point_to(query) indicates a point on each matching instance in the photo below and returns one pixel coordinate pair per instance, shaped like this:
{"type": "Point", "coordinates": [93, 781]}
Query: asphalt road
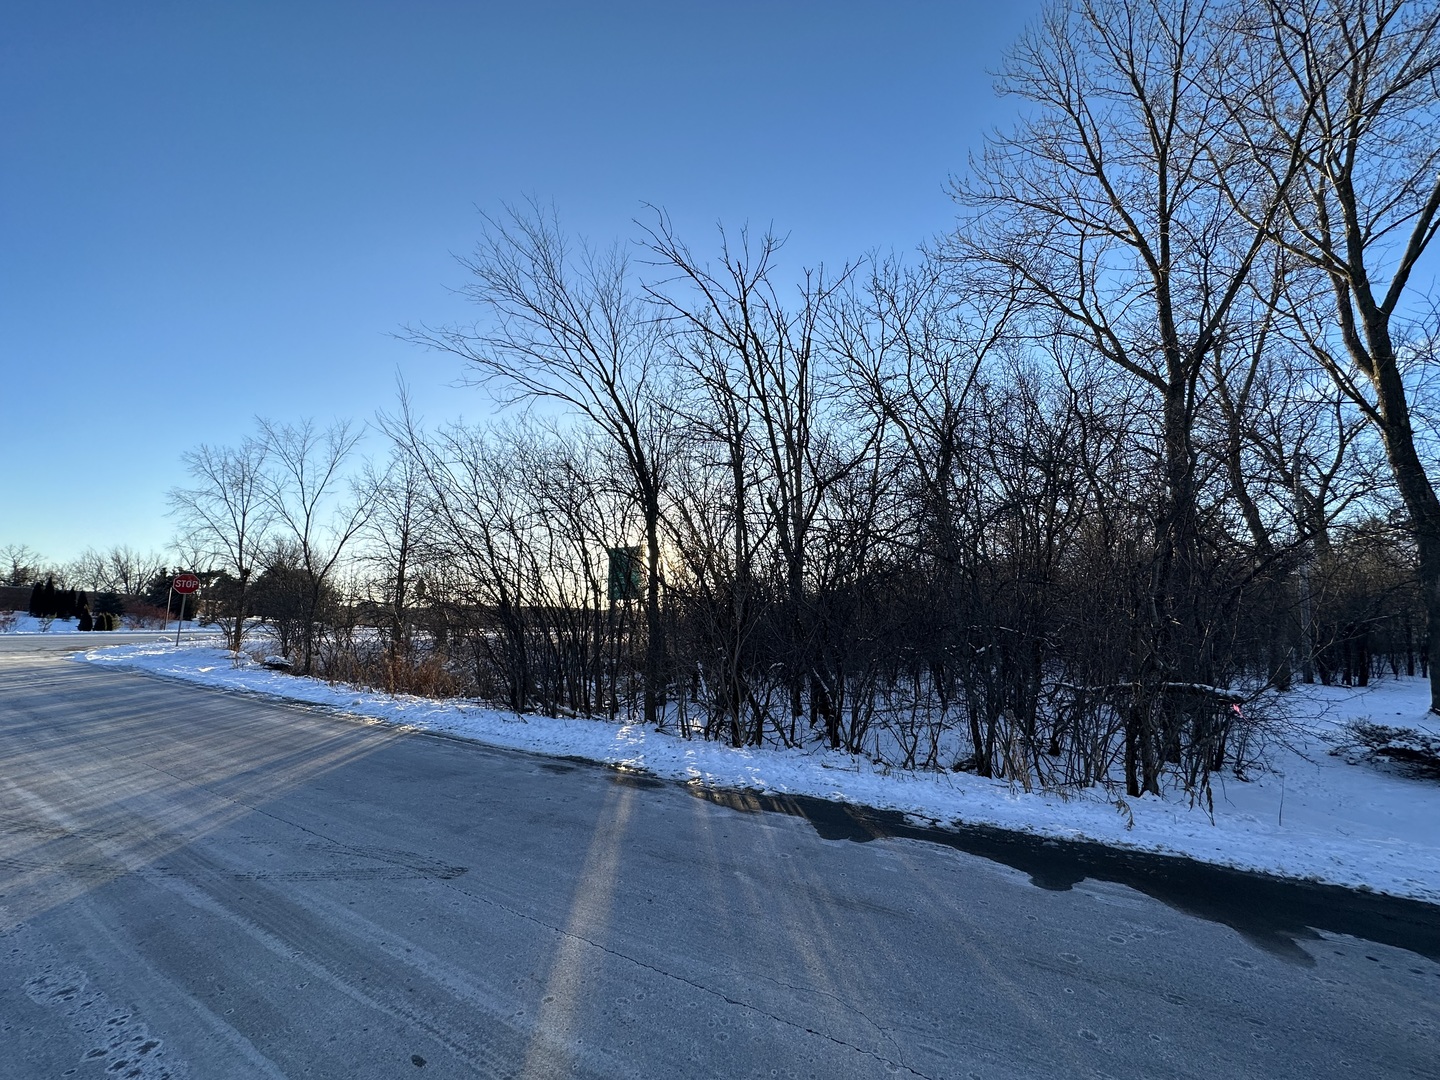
{"type": "Point", "coordinates": [199, 884]}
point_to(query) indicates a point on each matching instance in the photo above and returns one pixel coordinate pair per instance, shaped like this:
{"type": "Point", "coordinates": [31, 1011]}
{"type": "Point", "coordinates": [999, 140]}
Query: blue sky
{"type": "Point", "coordinates": [211, 211]}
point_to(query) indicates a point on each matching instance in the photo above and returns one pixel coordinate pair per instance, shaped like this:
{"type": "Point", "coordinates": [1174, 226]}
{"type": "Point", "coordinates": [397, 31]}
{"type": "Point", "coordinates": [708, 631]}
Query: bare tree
{"type": "Point", "coordinates": [767, 356]}
{"type": "Point", "coordinates": [1109, 207]}
{"type": "Point", "coordinates": [566, 325]}
{"type": "Point", "coordinates": [478, 552]}
{"type": "Point", "coordinates": [21, 565]}
{"type": "Point", "coordinates": [304, 488]}
{"type": "Point", "coordinates": [394, 532]}
{"type": "Point", "coordinates": [225, 517]}
{"type": "Point", "coordinates": [1367, 75]}
{"type": "Point", "coordinates": [120, 569]}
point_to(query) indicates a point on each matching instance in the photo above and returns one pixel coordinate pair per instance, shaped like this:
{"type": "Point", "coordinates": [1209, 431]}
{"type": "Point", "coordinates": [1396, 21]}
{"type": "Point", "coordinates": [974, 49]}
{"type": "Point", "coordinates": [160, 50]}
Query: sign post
{"type": "Point", "coordinates": [184, 584]}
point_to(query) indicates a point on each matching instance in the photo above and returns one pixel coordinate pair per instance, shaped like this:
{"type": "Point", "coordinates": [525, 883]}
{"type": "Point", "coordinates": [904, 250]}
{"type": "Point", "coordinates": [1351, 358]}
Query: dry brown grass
{"type": "Point", "coordinates": [426, 676]}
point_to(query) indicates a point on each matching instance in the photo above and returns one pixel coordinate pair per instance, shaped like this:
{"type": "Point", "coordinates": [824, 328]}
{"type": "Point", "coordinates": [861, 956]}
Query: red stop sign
{"type": "Point", "coordinates": [185, 583]}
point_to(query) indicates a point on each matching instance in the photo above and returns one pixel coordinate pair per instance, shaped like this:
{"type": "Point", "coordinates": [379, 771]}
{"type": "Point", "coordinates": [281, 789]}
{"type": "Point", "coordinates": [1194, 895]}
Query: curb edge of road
{"type": "Point", "coordinates": [881, 822]}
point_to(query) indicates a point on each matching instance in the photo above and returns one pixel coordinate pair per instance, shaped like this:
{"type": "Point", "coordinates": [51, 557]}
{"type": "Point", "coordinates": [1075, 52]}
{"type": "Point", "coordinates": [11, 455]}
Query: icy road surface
{"type": "Point", "coordinates": [200, 883]}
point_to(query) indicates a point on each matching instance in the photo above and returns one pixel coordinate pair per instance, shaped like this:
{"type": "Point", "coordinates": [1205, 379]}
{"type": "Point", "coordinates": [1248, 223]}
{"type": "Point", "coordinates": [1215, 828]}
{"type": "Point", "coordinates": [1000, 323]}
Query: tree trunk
{"type": "Point", "coordinates": [1424, 509]}
{"type": "Point", "coordinates": [654, 631]}
{"type": "Point", "coordinates": [1378, 360]}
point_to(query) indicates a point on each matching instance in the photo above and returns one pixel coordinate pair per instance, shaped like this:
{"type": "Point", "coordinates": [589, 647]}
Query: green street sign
{"type": "Point", "coordinates": [627, 573]}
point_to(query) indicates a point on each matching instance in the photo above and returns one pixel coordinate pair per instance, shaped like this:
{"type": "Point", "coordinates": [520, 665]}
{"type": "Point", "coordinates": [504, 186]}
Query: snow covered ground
{"type": "Point", "coordinates": [30, 624]}
{"type": "Point", "coordinates": [1313, 815]}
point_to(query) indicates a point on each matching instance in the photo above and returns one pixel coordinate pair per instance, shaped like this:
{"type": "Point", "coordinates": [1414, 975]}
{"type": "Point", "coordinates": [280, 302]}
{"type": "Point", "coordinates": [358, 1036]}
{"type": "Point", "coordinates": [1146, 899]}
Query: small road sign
{"type": "Point", "coordinates": [185, 583]}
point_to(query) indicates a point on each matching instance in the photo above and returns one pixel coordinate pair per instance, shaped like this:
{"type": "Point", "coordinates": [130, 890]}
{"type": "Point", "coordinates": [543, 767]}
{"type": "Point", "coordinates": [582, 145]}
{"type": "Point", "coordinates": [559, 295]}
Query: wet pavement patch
{"type": "Point", "coordinates": [1275, 914]}
{"type": "Point", "coordinates": [636, 779]}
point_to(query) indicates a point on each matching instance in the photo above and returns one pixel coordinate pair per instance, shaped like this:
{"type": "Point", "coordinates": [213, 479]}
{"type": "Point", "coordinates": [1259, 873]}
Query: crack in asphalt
{"type": "Point", "coordinates": [721, 995]}
{"type": "Point", "coordinates": [848, 1005]}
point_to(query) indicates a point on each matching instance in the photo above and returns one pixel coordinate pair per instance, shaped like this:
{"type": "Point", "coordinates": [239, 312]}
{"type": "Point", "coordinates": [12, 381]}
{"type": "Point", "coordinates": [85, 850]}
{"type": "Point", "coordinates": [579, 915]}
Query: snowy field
{"type": "Point", "coordinates": [17, 622]}
{"type": "Point", "coordinates": [1314, 815]}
